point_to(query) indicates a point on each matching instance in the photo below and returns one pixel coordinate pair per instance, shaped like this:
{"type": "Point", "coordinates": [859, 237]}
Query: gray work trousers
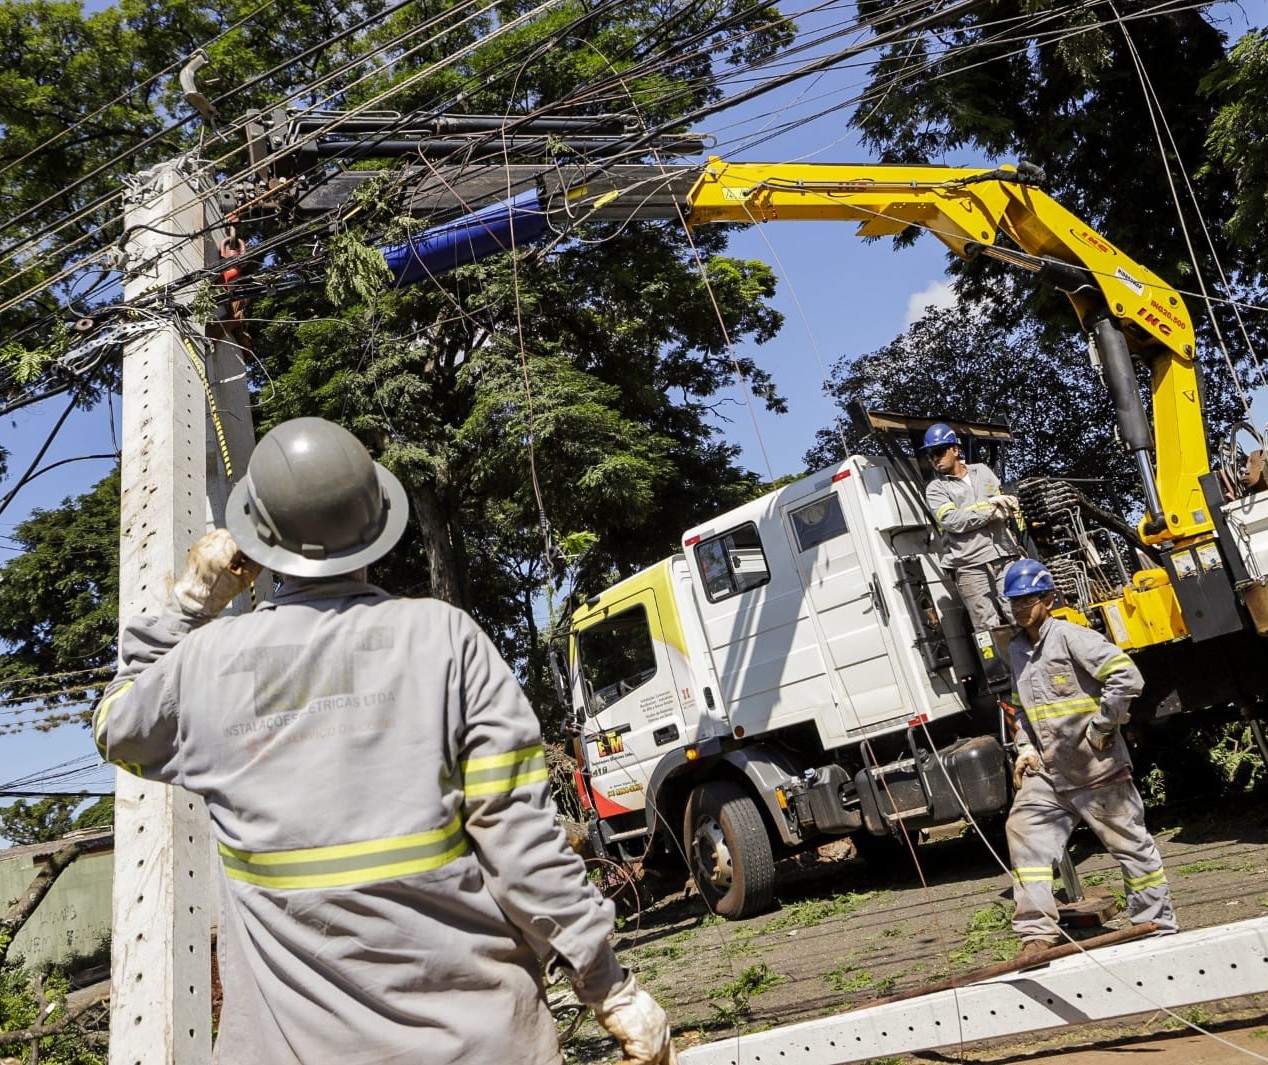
{"type": "Point", "coordinates": [982, 589]}
{"type": "Point", "coordinates": [1039, 827]}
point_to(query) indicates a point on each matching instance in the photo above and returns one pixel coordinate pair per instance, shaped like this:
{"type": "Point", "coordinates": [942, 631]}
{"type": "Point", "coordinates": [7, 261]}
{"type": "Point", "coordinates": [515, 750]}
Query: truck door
{"type": "Point", "coordinates": [848, 605]}
{"type": "Point", "coordinates": [768, 658]}
{"type": "Point", "coordinates": [633, 695]}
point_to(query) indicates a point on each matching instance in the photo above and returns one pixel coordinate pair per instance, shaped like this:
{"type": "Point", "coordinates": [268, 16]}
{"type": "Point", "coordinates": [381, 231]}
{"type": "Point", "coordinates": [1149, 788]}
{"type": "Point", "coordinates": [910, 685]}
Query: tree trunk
{"type": "Point", "coordinates": [444, 556]}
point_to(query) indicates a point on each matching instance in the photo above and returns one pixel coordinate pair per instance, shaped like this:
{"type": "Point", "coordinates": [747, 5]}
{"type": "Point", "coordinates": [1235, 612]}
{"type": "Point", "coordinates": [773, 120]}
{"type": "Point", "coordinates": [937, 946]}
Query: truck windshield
{"type": "Point", "coordinates": [617, 656]}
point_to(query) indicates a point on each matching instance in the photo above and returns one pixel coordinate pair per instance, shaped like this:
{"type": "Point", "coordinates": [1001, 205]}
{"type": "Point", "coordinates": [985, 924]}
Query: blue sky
{"type": "Point", "coordinates": [839, 296]}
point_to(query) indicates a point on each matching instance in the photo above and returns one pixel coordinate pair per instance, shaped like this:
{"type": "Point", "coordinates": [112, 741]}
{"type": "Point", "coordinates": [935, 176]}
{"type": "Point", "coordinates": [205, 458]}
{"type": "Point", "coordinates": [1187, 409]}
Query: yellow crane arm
{"type": "Point", "coordinates": [1127, 310]}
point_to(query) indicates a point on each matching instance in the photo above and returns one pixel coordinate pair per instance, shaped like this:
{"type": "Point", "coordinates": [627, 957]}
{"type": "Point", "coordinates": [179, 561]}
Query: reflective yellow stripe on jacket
{"type": "Point", "coordinates": [100, 725]}
{"type": "Point", "coordinates": [347, 864]}
{"type": "Point", "coordinates": [1114, 665]}
{"type": "Point", "coordinates": [946, 509]}
{"type": "Point", "coordinates": [498, 774]}
{"type": "Point", "coordinates": [1033, 874]}
{"type": "Point", "coordinates": [1064, 708]}
{"type": "Point", "coordinates": [103, 710]}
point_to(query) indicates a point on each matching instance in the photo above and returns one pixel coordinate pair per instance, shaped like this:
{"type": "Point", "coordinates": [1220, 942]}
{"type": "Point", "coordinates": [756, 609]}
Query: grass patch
{"type": "Point", "coordinates": [739, 948]}
{"type": "Point", "coordinates": [1100, 876]}
{"type": "Point", "coordinates": [986, 931]}
{"type": "Point", "coordinates": [850, 980]}
{"type": "Point", "coordinates": [810, 912]}
{"type": "Point", "coordinates": [1204, 865]}
{"type": "Point", "coordinates": [1194, 1015]}
{"type": "Point", "coordinates": [731, 1001]}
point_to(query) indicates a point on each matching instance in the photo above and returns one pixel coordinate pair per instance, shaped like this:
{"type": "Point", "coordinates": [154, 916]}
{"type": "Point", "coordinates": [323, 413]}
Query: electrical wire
{"type": "Point", "coordinates": [30, 470]}
{"type": "Point", "coordinates": [394, 89]}
{"type": "Point", "coordinates": [43, 235]}
{"type": "Point", "coordinates": [1161, 127]}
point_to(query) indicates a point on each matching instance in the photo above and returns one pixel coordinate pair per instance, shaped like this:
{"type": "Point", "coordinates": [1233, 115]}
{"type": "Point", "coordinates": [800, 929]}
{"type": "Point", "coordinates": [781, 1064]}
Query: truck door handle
{"type": "Point", "coordinates": [878, 598]}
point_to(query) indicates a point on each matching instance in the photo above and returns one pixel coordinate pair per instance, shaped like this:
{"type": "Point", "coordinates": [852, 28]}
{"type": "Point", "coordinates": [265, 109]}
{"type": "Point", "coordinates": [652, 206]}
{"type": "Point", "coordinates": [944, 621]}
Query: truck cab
{"type": "Point", "coordinates": [801, 670]}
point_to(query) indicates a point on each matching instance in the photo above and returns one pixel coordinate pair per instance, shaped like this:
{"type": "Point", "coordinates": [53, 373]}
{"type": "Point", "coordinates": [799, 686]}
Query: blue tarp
{"type": "Point", "coordinates": [499, 227]}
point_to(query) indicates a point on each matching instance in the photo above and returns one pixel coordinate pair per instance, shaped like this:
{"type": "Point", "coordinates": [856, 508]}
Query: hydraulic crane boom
{"type": "Point", "coordinates": [1125, 308]}
{"type": "Point", "coordinates": [1205, 583]}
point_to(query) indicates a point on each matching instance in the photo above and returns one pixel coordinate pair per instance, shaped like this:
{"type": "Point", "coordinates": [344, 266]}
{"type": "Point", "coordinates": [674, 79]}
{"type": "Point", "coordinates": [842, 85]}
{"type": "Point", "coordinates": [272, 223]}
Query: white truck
{"type": "Point", "coordinates": [803, 669]}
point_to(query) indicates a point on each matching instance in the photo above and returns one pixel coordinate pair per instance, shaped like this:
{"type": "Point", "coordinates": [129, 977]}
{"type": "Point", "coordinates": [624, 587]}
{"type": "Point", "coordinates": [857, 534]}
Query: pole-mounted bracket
{"type": "Point", "coordinates": [193, 97]}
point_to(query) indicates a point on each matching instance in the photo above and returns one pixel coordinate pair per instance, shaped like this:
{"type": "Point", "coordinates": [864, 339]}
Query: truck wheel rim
{"type": "Point", "coordinates": [712, 855]}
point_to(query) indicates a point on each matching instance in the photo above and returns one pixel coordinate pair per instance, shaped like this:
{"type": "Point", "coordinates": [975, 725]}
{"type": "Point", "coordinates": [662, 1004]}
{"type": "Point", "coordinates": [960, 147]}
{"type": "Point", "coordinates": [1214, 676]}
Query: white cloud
{"type": "Point", "coordinates": [936, 294]}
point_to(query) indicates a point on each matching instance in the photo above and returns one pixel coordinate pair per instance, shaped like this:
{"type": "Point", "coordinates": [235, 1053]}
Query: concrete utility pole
{"type": "Point", "coordinates": [171, 471]}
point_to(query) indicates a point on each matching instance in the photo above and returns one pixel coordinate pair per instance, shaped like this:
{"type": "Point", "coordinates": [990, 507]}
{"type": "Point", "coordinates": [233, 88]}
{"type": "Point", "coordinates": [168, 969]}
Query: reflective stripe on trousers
{"type": "Point", "coordinates": [1039, 828]}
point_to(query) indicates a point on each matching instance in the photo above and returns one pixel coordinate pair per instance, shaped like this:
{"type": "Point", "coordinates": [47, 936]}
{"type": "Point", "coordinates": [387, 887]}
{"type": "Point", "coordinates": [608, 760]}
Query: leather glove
{"type": "Point", "coordinates": [1028, 761]}
{"type": "Point", "coordinates": [638, 1023]}
{"type": "Point", "coordinates": [1100, 738]}
{"type": "Point", "coordinates": [215, 571]}
{"type": "Point", "coordinates": [1007, 506]}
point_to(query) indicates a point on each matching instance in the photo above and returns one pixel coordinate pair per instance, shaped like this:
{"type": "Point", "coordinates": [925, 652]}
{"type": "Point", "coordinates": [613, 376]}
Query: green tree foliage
{"type": "Point", "coordinates": [25, 998]}
{"type": "Point", "coordinates": [98, 815]}
{"type": "Point", "coordinates": [971, 367]}
{"type": "Point", "coordinates": [1236, 143]}
{"type": "Point", "coordinates": [1071, 91]}
{"type": "Point", "coordinates": [53, 817]}
{"type": "Point", "coordinates": [37, 822]}
{"type": "Point", "coordinates": [573, 389]}
{"type": "Point", "coordinates": [59, 605]}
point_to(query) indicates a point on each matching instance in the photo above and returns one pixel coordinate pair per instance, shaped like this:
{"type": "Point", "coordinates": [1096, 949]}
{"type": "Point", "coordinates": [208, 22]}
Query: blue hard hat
{"type": "Point", "coordinates": [1027, 577]}
{"type": "Point", "coordinates": [939, 434]}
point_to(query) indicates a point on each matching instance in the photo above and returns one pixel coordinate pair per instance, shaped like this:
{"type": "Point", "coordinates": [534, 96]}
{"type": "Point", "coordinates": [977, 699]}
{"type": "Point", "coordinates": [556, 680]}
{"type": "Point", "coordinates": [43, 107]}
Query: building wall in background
{"type": "Point", "coordinates": [73, 920]}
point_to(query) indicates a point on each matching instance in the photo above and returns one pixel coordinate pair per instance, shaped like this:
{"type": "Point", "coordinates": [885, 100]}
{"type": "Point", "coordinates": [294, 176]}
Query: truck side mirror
{"type": "Point", "coordinates": [560, 674]}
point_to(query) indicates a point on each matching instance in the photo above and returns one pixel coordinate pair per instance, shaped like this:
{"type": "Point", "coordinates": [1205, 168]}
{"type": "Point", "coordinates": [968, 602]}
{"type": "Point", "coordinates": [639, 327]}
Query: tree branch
{"type": "Point", "coordinates": [20, 912]}
{"type": "Point", "coordinates": [39, 1031]}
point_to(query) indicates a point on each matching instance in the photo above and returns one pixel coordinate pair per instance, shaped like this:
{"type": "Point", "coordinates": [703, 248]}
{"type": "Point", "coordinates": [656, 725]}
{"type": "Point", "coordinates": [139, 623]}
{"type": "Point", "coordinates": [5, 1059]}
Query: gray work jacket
{"type": "Point", "coordinates": [973, 533]}
{"type": "Point", "coordinates": [392, 866]}
{"type": "Point", "coordinates": [1069, 676]}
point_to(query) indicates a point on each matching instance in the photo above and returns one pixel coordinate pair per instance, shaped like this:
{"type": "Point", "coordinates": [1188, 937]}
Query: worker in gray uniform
{"type": "Point", "coordinates": [392, 866]}
{"type": "Point", "coordinates": [1072, 762]}
{"type": "Point", "coordinates": [975, 520]}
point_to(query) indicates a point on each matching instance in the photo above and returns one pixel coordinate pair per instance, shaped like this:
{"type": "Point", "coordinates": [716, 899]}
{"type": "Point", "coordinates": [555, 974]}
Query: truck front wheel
{"type": "Point", "coordinates": [728, 850]}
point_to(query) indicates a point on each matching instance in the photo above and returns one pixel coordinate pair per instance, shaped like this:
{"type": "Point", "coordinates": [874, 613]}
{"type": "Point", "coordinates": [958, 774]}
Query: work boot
{"type": "Point", "coordinates": [1033, 948]}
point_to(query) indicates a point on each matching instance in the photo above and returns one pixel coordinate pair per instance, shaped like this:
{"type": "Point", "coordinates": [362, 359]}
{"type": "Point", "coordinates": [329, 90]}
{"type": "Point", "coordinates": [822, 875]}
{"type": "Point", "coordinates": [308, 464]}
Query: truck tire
{"type": "Point", "coordinates": [729, 850]}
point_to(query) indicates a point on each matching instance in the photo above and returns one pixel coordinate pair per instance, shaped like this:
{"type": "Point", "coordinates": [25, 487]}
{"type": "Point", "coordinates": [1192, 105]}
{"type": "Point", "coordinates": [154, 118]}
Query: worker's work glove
{"type": "Point", "coordinates": [215, 571]}
{"type": "Point", "coordinates": [1028, 761]}
{"type": "Point", "coordinates": [1100, 738]}
{"type": "Point", "coordinates": [1006, 506]}
{"type": "Point", "coordinates": [637, 1022]}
